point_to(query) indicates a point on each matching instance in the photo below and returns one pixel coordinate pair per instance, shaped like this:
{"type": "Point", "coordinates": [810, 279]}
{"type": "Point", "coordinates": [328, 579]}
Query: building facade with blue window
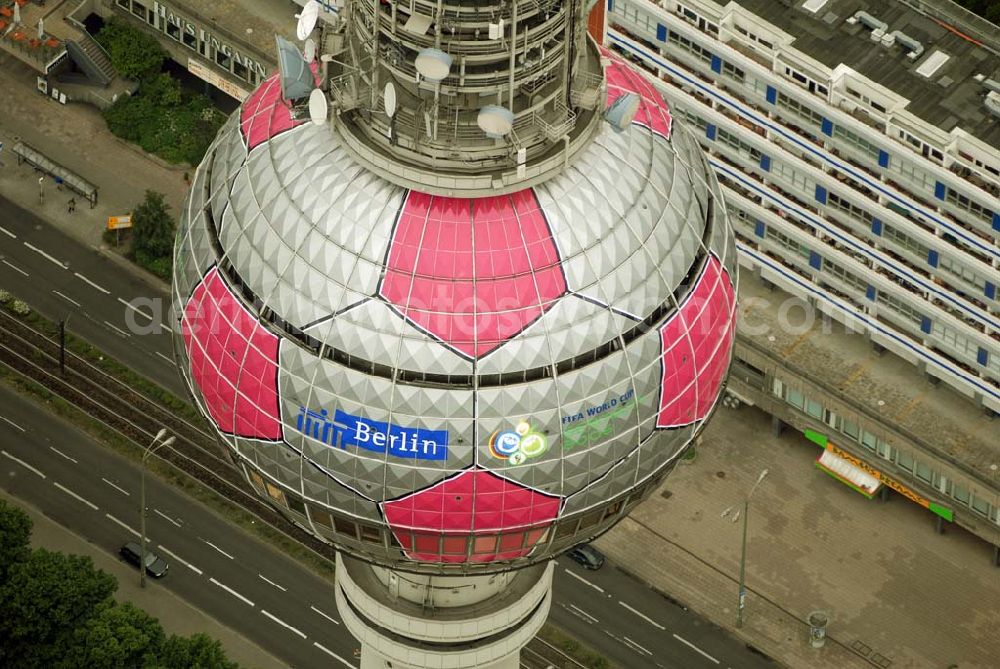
{"type": "Point", "coordinates": [882, 210]}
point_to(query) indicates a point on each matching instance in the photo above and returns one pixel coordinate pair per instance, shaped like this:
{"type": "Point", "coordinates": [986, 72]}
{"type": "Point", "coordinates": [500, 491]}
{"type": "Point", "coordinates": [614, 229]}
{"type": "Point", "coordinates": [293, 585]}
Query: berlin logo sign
{"type": "Point", "coordinates": [346, 430]}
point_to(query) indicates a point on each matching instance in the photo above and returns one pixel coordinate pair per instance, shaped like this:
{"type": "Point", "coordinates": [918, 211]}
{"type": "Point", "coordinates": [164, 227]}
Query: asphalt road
{"type": "Point", "coordinates": [215, 566]}
{"type": "Point", "coordinates": [102, 302]}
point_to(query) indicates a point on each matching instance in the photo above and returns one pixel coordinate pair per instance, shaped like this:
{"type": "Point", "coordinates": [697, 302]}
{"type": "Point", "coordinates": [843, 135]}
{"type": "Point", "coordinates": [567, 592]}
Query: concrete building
{"type": "Point", "coordinates": [456, 293]}
{"type": "Point", "coordinates": [857, 148]}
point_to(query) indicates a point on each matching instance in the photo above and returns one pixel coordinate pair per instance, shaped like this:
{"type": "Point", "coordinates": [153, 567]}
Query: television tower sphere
{"type": "Point", "coordinates": [460, 338]}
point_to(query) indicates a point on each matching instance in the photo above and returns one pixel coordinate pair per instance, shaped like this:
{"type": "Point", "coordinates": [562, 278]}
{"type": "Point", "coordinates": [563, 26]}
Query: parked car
{"type": "Point", "coordinates": [155, 565]}
{"type": "Point", "coordinates": [587, 556]}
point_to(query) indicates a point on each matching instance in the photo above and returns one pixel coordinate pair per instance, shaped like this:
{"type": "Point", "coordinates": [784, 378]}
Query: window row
{"type": "Point", "coordinates": [917, 467]}
{"type": "Point", "coordinates": [963, 202]}
{"type": "Point", "coordinates": [563, 531]}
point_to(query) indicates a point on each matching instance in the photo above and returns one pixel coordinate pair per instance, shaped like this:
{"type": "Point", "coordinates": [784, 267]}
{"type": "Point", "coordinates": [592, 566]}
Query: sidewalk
{"type": "Point", "coordinates": [176, 615]}
{"type": "Point", "coordinates": [912, 598]}
{"type": "Point", "coordinates": [76, 137]}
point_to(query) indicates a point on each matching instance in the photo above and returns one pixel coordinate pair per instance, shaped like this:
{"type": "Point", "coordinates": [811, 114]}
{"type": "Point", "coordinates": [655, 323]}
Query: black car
{"type": "Point", "coordinates": [588, 556]}
{"type": "Point", "coordinates": [155, 565]}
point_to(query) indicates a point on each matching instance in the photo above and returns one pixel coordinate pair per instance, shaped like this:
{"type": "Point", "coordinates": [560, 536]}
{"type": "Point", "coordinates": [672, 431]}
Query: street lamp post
{"type": "Point", "coordinates": [741, 604]}
{"type": "Point", "coordinates": [153, 446]}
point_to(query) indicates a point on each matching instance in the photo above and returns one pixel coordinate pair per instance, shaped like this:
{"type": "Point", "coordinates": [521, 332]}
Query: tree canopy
{"type": "Point", "coordinates": [134, 53]}
{"type": "Point", "coordinates": [153, 234]}
{"type": "Point", "coordinates": [56, 612]}
{"type": "Point", "coordinates": [15, 534]}
{"type": "Point", "coordinates": [164, 119]}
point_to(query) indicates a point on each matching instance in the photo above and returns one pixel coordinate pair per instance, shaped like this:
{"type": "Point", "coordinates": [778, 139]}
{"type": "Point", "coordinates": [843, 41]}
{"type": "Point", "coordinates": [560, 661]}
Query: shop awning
{"type": "Point", "coordinates": [847, 473]}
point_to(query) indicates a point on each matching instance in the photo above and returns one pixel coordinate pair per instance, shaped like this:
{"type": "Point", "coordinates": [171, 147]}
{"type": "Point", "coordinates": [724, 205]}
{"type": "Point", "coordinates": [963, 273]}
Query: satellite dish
{"type": "Point", "coordinates": [318, 107]}
{"type": "Point", "coordinates": [307, 19]}
{"type": "Point", "coordinates": [309, 50]}
{"type": "Point", "coordinates": [389, 99]}
{"type": "Point", "coordinates": [495, 121]}
{"type": "Point", "coordinates": [433, 64]}
{"type": "Point", "coordinates": [297, 79]}
{"type": "Point", "coordinates": [622, 111]}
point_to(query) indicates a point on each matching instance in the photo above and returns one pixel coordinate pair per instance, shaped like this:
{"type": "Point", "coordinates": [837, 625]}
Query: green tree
{"type": "Point", "coordinates": [15, 534]}
{"type": "Point", "coordinates": [198, 651]}
{"type": "Point", "coordinates": [134, 53]}
{"type": "Point", "coordinates": [44, 599]}
{"type": "Point", "coordinates": [120, 635]}
{"type": "Point", "coordinates": [153, 234]}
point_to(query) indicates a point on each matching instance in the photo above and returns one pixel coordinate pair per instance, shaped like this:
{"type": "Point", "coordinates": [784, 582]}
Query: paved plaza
{"type": "Point", "coordinates": [892, 587]}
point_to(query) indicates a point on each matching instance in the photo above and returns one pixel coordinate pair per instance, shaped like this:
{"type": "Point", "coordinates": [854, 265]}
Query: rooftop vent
{"type": "Point", "coordinates": [932, 63]}
{"type": "Point", "coordinates": [993, 103]}
{"type": "Point", "coordinates": [870, 22]}
{"type": "Point", "coordinates": [813, 6]}
{"type": "Point", "coordinates": [916, 49]}
{"type": "Point", "coordinates": [992, 84]}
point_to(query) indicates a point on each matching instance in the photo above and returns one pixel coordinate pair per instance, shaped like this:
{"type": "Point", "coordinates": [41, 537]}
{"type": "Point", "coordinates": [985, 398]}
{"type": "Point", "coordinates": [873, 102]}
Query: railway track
{"type": "Point", "coordinates": [195, 452]}
{"type": "Point", "coordinates": [137, 418]}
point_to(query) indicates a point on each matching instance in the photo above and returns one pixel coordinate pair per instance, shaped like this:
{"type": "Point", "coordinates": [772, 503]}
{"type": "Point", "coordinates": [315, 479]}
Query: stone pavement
{"type": "Point", "coordinates": [175, 614]}
{"type": "Point", "coordinates": [76, 137]}
{"type": "Point", "coordinates": [890, 584]}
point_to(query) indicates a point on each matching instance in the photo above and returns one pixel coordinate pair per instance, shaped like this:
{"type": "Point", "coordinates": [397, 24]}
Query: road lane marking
{"type": "Point", "coordinates": [8, 232]}
{"type": "Point", "coordinates": [11, 423]}
{"type": "Point", "coordinates": [695, 648]}
{"type": "Point", "coordinates": [115, 520]}
{"type": "Point", "coordinates": [218, 549]}
{"type": "Point", "coordinates": [582, 579]}
{"type": "Point", "coordinates": [91, 283]}
{"type": "Point", "coordinates": [335, 622]}
{"type": "Point", "coordinates": [73, 494]}
{"type": "Point", "coordinates": [334, 655]}
{"type": "Point", "coordinates": [15, 267]}
{"type": "Point", "coordinates": [282, 623]}
{"type": "Point", "coordinates": [23, 463]}
{"type": "Point", "coordinates": [46, 255]}
{"type": "Point", "coordinates": [273, 583]}
{"type": "Point", "coordinates": [118, 488]}
{"type": "Point", "coordinates": [176, 557]}
{"type": "Point", "coordinates": [135, 309]}
{"type": "Point", "coordinates": [636, 646]}
{"type": "Point", "coordinates": [232, 592]}
{"type": "Point", "coordinates": [116, 329]}
{"type": "Point", "coordinates": [166, 517]}
{"type": "Point", "coordinates": [73, 460]}
{"type": "Point", "coordinates": [169, 361]}
{"type": "Point", "coordinates": [643, 616]}
{"type": "Point", "coordinates": [67, 298]}
{"type": "Point", "coordinates": [584, 614]}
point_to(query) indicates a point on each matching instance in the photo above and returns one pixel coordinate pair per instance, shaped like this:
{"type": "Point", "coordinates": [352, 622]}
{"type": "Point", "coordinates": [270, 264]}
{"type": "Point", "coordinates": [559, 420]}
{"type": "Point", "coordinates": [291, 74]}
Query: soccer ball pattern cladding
{"type": "Point", "coordinates": [438, 382]}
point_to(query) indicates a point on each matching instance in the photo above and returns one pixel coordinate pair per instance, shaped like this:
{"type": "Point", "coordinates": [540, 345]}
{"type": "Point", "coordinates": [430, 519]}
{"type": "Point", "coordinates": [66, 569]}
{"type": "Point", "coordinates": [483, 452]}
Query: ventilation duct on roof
{"type": "Point", "coordinates": [870, 22]}
{"type": "Point", "coordinates": [993, 103]}
{"type": "Point", "coordinates": [915, 47]}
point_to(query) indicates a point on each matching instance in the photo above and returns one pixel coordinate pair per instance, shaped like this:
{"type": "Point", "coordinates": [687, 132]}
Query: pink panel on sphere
{"type": "Point", "coordinates": [472, 272]}
{"type": "Point", "coordinates": [697, 342]}
{"type": "Point", "coordinates": [623, 78]}
{"type": "Point", "coordinates": [234, 361]}
{"type": "Point", "coordinates": [264, 114]}
{"type": "Point", "coordinates": [476, 516]}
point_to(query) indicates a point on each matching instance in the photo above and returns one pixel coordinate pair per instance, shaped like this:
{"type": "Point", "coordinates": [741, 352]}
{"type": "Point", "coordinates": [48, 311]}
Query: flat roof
{"type": "Point", "coordinates": [254, 22]}
{"type": "Point", "coordinates": [950, 97]}
{"type": "Point", "coordinates": [885, 385]}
